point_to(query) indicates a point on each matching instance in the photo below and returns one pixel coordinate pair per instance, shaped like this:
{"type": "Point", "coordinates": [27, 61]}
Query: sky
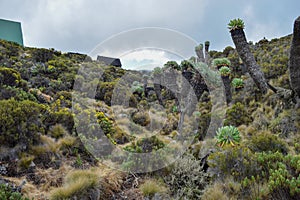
{"type": "Point", "coordinates": [82, 25]}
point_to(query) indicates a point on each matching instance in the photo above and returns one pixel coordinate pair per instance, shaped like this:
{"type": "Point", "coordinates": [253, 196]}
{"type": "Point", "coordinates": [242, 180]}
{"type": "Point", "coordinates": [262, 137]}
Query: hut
{"type": "Point", "coordinates": [109, 61]}
{"type": "Point", "coordinates": [11, 31]}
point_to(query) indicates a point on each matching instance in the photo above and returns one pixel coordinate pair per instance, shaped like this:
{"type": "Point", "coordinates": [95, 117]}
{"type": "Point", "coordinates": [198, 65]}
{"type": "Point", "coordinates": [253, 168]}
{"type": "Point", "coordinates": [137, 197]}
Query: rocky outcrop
{"type": "Point", "coordinates": [294, 63]}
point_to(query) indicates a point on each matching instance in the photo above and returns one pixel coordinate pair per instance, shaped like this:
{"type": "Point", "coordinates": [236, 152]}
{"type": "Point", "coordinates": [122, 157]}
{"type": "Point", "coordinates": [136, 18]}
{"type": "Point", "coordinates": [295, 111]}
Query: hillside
{"type": "Point", "coordinates": [67, 132]}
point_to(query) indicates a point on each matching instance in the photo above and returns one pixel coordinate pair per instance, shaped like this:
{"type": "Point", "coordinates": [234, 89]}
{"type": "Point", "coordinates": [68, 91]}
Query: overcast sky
{"type": "Point", "coordinates": [80, 25]}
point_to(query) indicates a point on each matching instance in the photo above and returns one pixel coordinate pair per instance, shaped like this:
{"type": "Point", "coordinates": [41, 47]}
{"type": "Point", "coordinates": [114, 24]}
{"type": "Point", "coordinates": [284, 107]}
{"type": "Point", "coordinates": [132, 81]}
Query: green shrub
{"type": "Point", "coordinates": [9, 76]}
{"type": "Point", "coordinates": [105, 123]}
{"type": "Point", "coordinates": [237, 162]}
{"type": "Point", "coordinates": [7, 92]}
{"type": "Point", "coordinates": [137, 87]}
{"type": "Point", "coordinates": [21, 122]}
{"type": "Point", "coordinates": [236, 24]}
{"type": "Point", "coordinates": [173, 65]}
{"type": "Point", "coordinates": [142, 118]}
{"type": "Point", "coordinates": [266, 142]}
{"type": "Point", "coordinates": [282, 173]}
{"type": "Point", "coordinates": [228, 135]}
{"type": "Point", "coordinates": [237, 115]}
{"type": "Point", "coordinates": [145, 145]}
{"type": "Point", "coordinates": [105, 91]}
{"type": "Point", "coordinates": [186, 178]}
{"type": "Point", "coordinates": [63, 116]}
{"type": "Point", "coordinates": [6, 193]}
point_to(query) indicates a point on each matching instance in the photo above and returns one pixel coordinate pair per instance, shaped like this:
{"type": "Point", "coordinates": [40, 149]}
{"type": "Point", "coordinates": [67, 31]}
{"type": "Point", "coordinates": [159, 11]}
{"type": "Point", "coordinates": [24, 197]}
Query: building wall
{"type": "Point", "coordinates": [11, 31]}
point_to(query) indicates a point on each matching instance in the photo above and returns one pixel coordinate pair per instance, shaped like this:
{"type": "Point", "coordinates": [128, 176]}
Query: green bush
{"type": "Point", "coordinates": [282, 173]}
{"type": "Point", "coordinates": [266, 142]}
{"type": "Point", "coordinates": [6, 193]}
{"type": "Point", "coordinates": [7, 92]}
{"type": "Point", "coordinates": [21, 121]}
{"type": "Point", "coordinates": [173, 65]}
{"type": "Point", "coordinates": [237, 115]}
{"type": "Point", "coordinates": [142, 118]}
{"type": "Point", "coordinates": [238, 162]}
{"type": "Point", "coordinates": [186, 178]}
{"type": "Point", "coordinates": [145, 145]}
{"type": "Point", "coordinates": [9, 76]}
{"type": "Point", "coordinates": [62, 116]}
{"type": "Point", "coordinates": [137, 88]}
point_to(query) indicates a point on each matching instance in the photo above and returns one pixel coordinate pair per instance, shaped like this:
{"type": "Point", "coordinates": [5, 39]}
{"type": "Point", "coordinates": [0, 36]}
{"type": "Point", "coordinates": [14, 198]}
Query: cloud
{"type": "Point", "coordinates": [147, 59]}
{"type": "Point", "coordinates": [80, 25]}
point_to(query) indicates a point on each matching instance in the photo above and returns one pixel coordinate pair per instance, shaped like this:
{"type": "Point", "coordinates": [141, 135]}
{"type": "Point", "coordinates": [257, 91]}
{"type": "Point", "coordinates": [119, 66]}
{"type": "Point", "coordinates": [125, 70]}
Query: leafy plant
{"type": "Point", "coordinates": [9, 76]}
{"type": "Point", "coordinates": [7, 193]}
{"type": "Point", "coordinates": [218, 62]}
{"type": "Point", "coordinates": [236, 24]}
{"type": "Point", "coordinates": [225, 71]}
{"type": "Point", "coordinates": [237, 83]}
{"type": "Point", "coordinates": [137, 87]}
{"type": "Point", "coordinates": [199, 47]}
{"type": "Point", "coordinates": [228, 135]}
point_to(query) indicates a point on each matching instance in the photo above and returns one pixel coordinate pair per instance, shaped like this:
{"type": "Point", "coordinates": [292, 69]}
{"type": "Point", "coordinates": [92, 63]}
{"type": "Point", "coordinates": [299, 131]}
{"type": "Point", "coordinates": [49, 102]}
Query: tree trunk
{"type": "Point", "coordinates": [243, 49]}
{"type": "Point", "coordinates": [226, 82]}
{"type": "Point", "coordinates": [294, 62]}
{"type": "Point", "coordinates": [145, 84]}
{"type": "Point", "coordinates": [157, 88]}
{"type": "Point", "coordinates": [199, 52]}
{"type": "Point", "coordinates": [206, 53]}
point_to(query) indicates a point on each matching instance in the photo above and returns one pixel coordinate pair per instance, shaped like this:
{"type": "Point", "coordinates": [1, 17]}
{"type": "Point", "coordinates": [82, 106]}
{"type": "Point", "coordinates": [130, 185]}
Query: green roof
{"type": "Point", "coordinates": [11, 31]}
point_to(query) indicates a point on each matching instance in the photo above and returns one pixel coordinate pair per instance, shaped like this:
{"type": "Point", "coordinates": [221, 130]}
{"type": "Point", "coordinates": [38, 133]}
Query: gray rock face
{"type": "Point", "coordinates": [294, 63]}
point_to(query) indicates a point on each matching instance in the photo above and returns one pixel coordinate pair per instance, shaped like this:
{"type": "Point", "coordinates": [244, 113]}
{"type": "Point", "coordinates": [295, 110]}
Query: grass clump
{"type": "Point", "coordinates": [76, 184]}
{"type": "Point", "coordinates": [151, 186]}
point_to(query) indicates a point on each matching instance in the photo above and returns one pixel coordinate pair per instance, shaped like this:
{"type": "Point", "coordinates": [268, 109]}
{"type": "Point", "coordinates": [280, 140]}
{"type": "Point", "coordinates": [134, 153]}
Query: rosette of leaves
{"type": "Point", "coordinates": [238, 83]}
{"type": "Point", "coordinates": [225, 71]}
{"type": "Point", "coordinates": [137, 87]}
{"type": "Point", "coordinates": [220, 62]}
{"type": "Point", "coordinates": [236, 24]}
{"type": "Point", "coordinates": [228, 135]}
